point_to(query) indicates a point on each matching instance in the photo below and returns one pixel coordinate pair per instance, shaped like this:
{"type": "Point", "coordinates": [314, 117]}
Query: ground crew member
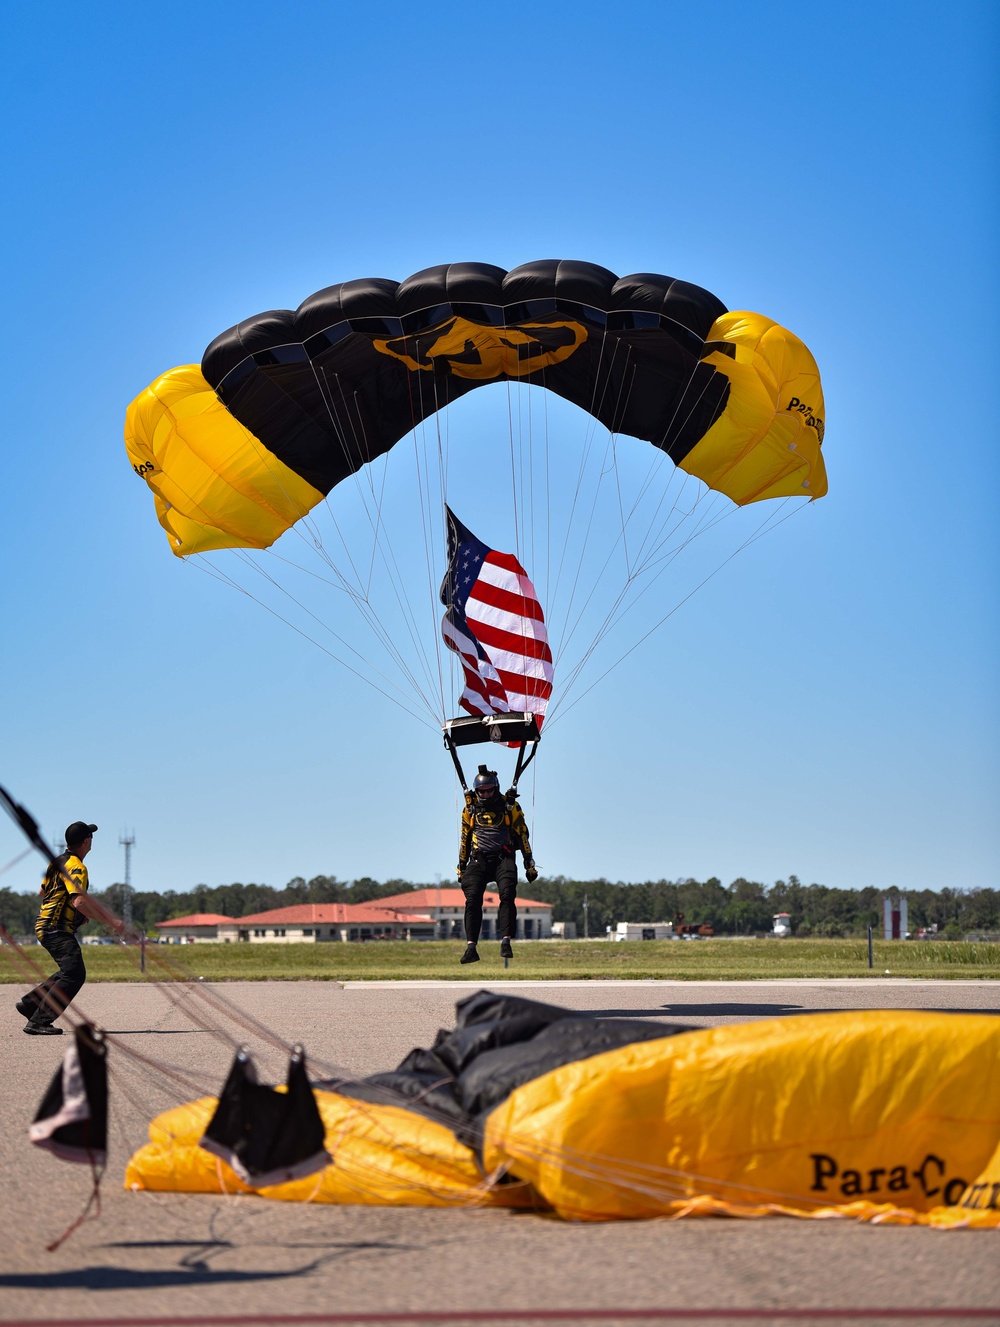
{"type": "Point", "coordinates": [64, 909]}
{"type": "Point", "coordinates": [493, 829]}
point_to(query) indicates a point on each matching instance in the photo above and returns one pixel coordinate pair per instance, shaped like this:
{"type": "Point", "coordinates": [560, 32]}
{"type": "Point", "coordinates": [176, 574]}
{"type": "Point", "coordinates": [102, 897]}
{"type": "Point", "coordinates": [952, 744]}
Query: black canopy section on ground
{"type": "Point", "coordinates": [499, 1043]}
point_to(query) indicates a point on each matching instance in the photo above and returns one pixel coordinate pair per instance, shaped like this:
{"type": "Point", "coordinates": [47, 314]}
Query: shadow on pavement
{"type": "Point", "coordinates": [705, 1011]}
{"type": "Point", "coordinates": [157, 1032]}
{"type": "Point", "coordinates": [128, 1278]}
{"type": "Point", "coordinates": [753, 1011]}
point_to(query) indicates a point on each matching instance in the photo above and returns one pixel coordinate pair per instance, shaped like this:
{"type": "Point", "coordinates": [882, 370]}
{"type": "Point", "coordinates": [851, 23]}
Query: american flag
{"type": "Point", "coordinates": [494, 624]}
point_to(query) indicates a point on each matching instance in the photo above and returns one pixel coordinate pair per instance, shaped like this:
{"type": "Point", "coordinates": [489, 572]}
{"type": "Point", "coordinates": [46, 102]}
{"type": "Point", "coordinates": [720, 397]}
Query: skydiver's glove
{"type": "Point", "coordinates": [459, 869]}
{"type": "Point", "coordinates": [510, 796]}
{"type": "Point", "coordinates": [530, 870]}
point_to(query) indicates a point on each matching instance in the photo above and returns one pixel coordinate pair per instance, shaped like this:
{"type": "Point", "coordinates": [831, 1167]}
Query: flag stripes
{"type": "Point", "coordinates": [495, 625]}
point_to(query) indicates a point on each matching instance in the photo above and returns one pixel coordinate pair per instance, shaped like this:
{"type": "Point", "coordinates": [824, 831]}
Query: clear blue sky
{"type": "Point", "coordinates": [827, 705]}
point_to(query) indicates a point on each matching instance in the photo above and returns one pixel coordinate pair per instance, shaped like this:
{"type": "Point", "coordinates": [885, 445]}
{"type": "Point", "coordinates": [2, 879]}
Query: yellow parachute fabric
{"type": "Point", "coordinates": [886, 1116]}
{"type": "Point", "coordinates": [767, 442]}
{"type": "Point", "coordinates": [384, 1156]}
{"type": "Point", "coordinates": [214, 484]}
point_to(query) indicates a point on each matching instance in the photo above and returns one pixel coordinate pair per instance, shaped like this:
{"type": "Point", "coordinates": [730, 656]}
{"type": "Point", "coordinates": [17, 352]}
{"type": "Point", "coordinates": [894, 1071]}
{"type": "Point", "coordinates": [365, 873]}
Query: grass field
{"type": "Point", "coordinates": [714, 960]}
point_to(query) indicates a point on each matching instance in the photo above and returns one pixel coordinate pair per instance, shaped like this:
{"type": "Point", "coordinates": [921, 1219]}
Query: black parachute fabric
{"type": "Point", "coordinates": [499, 1043]}
{"type": "Point", "coordinates": [328, 386]}
{"type": "Point", "coordinates": [266, 1136]}
{"type": "Point", "coordinates": [72, 1120]}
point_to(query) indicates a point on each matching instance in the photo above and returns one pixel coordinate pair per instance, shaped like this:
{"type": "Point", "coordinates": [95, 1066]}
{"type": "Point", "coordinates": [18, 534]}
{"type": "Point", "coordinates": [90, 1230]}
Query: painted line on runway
{"type": "Point", "coordinates": [604, 982]}
{"type": "Point", "coordinates": [581, 1316]}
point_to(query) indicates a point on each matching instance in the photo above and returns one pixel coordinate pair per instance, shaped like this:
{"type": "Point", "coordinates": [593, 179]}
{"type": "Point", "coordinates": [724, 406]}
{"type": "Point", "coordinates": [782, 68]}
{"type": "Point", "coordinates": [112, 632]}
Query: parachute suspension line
{"type": "Point", "coordinates": [548, 499]}
{"type": "Point", "coordinates": [766, 526]}
{"type": "Point", "coordinates": [530, 541]}
{"type": "Point", "coordinates": [620, 608]}
{"type": "Point", "coordinates": [426, 513]}
{"type": "Point", "coordinates": [380, 540]}
{"type": "Point", "coordinates": [566, 634]}
{"type": "Point", "coordinates": [432, 537]}
{"type": "Point", "coordinates": [513, 470]}
{"type": "Point", "coordinates": [19, 858]}
{"type": "Point", "coordinates": [444, 455]}
{"type": "Point", "coordinates": [360, 601]}
{"type": "Point", "coordinates": [217, 574]}
{"type": "Point", "coordinates": [636, 568]}
{"type": "Point", "coordinates": [590, 433]}
{"type": "Point", "coordinates": [381, 634]}
{"type": "Point", "coordinates": [387, 553]}
{"type": "Point", "coordinates": [621, 508]}
{"type": "Point", "coordinates": [709, 518]}
{"type": "Point", "coordinates": [659, 461]}
{"type": "Point", "coordinates": [226, 579]}
{"type": "Point", "coordinates": [281, 589]}
{"type": "Point", "coordinates": [380, 503]}
{"type": "Point", "coordinates": [430, 541]}
{"type": "Point", "coordinates": [522, 479]}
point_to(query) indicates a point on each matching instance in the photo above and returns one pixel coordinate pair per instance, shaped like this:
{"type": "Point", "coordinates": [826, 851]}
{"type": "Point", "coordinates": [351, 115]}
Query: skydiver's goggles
{"type": "Point", "coordinates": [486, 791]}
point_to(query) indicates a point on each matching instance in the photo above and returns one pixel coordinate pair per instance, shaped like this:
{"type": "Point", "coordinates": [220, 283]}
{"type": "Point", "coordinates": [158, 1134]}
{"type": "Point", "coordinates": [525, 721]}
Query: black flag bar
{"type": "Point", "coordinates": [513, 729]}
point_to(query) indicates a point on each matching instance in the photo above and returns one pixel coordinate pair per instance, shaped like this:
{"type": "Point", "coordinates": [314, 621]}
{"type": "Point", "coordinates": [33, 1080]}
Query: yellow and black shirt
{"type": "Point", "coordinates": [57, 913]}
{"type": "Point", "coordinates": [493, 827]}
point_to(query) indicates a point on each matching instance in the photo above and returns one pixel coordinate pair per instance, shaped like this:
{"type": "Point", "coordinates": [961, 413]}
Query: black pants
{"type": "Point", "coordinates": [64, 985]}
{"type": "Point", "coordinates": [481, 870]}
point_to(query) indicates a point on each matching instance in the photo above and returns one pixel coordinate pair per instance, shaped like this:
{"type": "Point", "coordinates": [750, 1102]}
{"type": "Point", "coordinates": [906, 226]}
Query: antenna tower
{"type": "Point", "coordinates": [127, 841]}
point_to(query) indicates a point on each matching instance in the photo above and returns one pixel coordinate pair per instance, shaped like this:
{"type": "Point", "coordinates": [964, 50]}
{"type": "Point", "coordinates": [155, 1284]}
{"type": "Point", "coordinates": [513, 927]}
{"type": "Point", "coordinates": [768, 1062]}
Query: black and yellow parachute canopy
{"type": "Point", "coordinates": [875, 1115]}
{"type": "Point", "coordinates": [288, 403]}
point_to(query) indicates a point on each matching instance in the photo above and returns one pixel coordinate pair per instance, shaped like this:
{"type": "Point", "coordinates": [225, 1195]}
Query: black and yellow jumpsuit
{"type": "Point", "coordinates": [491, 834]}
{"type": "Point", "coordinates": [56, 928]}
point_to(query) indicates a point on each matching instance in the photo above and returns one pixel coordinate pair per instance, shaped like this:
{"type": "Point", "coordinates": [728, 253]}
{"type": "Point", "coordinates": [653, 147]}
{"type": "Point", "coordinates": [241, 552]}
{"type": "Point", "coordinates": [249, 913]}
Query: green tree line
{"type": "Point", "coordinates": [747, 906]}
{"type": "Point", "coordinates": [740, 908]}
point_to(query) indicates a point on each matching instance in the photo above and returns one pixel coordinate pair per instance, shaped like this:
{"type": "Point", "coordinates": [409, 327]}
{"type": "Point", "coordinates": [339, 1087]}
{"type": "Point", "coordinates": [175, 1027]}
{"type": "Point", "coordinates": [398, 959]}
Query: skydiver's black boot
{"type": "Point", "coordinates": [506, 950]}
{"type": "Point", "coordinates": [471, 954]}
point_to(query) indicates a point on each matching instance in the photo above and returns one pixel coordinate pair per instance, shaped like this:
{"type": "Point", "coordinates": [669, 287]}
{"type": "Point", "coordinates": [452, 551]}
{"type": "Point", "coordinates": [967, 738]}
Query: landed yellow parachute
{"type": "Point", "coordinates": [878, 1116]}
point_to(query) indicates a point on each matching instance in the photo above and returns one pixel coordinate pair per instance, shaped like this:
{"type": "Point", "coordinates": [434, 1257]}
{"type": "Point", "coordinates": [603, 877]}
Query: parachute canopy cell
{"type": "Point", "coordinates": [288, 403]}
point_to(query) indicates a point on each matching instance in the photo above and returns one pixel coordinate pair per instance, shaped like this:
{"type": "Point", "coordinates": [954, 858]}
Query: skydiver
{"type": "Point", "coordinates": [493, 830]}
{"type": "Point", "coordinates": [65, 907]}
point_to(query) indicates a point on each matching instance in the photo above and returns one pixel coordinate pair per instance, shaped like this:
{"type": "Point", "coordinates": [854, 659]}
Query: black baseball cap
{"type": "Point", "coordinates": [77, 832]}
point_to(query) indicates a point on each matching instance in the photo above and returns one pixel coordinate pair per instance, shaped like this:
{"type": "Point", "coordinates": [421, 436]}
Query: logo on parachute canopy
{"type": "Point", "coordinates": [470, 350]}
{"type": "Point", "coordinates": [811, 419]}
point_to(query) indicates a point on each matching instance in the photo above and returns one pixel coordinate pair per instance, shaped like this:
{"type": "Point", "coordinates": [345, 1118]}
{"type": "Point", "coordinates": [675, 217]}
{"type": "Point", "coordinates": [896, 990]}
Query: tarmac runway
{"type": "Point", "coordinates": [202, 1259]}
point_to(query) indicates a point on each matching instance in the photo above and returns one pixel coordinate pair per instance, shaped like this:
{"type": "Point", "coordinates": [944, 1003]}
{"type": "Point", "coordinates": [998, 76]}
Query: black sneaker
{"type": "Point", "coordinates": [505, 948]}
{"type": "Point", "coordinates": [471, 954]}
{"type": "Point", "coordinates": [42, 1030]}
{"type": "Point", "coordinates": [24, 1008]}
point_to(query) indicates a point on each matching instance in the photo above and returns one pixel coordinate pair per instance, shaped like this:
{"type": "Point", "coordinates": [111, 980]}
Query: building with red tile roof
{"type": "Point", "coordinates": [446, 904]}
{"type": "Point", "coordinates": [195, 926]}
{"type": "Point", "coordinates": [419, 914]}
{"type": "Point", "coordinates": [309, 922]}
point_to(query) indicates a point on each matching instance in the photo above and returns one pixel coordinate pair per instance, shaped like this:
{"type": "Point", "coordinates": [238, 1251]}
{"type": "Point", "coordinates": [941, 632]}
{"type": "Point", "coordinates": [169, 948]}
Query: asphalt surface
{"type": "Point", "coordinates": [191, 1258]}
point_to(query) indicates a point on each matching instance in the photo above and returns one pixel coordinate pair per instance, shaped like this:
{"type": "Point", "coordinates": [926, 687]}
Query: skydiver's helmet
{"type": "Point", "coordinates": [486, 785]}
